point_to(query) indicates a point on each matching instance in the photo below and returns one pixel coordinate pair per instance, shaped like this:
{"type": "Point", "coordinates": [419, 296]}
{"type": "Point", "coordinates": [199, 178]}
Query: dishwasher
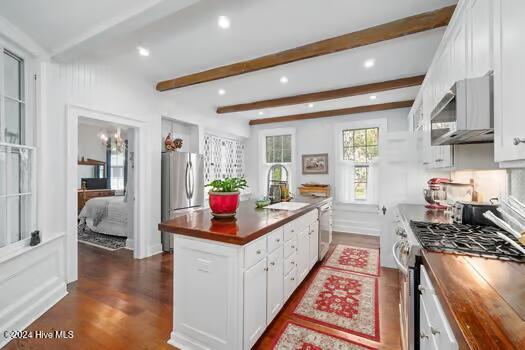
{"type": "Point", "coordinates": [325, 229]}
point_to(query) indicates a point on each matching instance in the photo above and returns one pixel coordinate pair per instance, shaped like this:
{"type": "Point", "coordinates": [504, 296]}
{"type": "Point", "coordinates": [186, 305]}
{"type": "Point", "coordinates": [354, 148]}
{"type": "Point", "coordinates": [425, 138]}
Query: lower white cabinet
{"type": "Point", "coordinates": [314, 244]}
{"type": "Point", "coordinates": [434, 329]}
{"type": "Point", "coordinates": [275, 284]}
{"type": "Point", "coordinates": [255, 282]}
{"type": "Point", "coordinates": [303, 249]}
{"type": "Point", "coordinates": [227, 294]}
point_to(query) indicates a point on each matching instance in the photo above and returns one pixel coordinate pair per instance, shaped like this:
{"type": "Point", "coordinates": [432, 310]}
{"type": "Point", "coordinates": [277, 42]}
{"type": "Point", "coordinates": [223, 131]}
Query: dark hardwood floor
{"type": "Point", "coordinates": [122, 303]}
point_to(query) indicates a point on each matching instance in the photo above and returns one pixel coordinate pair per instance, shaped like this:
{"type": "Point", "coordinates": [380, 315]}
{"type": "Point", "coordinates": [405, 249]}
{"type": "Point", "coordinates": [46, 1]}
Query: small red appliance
{"type": "Point", "coordinates": [436, 193]}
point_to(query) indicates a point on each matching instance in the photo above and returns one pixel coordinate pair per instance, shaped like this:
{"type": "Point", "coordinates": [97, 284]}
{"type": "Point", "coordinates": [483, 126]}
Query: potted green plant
{"type": "Point", "coordinates": [224, 196]}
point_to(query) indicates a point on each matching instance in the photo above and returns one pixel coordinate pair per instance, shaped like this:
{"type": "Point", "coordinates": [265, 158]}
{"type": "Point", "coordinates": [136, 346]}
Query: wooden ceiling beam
{"type": "Point", "coordinates": [387, 31]}
{"type": "Point", "coordinates": [334, 112]}
{"type": "Point", "coordinates": [324, 95]}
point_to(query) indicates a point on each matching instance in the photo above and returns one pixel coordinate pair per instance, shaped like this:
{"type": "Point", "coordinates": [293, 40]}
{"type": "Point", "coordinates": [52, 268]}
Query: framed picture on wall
{"type": "Point", "coordinates": [315, 163]}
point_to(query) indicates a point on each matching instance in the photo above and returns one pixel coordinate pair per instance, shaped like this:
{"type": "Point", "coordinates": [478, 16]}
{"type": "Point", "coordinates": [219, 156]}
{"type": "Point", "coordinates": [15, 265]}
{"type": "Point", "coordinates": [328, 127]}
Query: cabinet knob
{"type": "Point", "coordinates": [293, 247]}
{"type": "Point", "coordinates": [434, 331]}
{"type": "Point", "coordinates": [292, 279]}
{"type": "Point", "coordinates": [439, 160]}
{"type": "Point", "coordinates": [423, 336]}
{"type": "Point", "coordinates": [272, 263]}
{"type": "Point", "coordinates": [278, 240]}
{"type": "Point", "coordinates": [518, 140]}
{"type": "Point", "coordinates": [265, 269]}
{"type": "Point", "coordinates": [258, 251]}
{"type": "Point", "coordinates": [293, 263]}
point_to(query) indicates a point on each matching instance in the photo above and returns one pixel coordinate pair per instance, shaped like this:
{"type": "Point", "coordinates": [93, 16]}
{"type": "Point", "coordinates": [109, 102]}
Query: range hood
{"type": "Point", "coordinates": [465, 114]}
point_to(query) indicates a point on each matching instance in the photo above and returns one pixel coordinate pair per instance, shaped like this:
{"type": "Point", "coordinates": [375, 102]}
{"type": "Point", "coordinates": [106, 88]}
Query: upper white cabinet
{"type": "Point", "coordinates": [479, 40]}
{"type": "Point", "coordinates": [509, 75]}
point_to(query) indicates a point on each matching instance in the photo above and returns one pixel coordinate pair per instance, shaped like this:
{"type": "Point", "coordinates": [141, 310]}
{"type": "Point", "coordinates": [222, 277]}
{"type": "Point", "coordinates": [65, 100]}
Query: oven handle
{"type": "Point", "coordinates": [402, 268]}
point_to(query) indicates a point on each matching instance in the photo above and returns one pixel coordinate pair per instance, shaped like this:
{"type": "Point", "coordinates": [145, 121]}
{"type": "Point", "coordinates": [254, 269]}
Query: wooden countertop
{"type": "Point", "coordinates": [249, 223]}
{"type": "Point", "coordinates": [484, 299]}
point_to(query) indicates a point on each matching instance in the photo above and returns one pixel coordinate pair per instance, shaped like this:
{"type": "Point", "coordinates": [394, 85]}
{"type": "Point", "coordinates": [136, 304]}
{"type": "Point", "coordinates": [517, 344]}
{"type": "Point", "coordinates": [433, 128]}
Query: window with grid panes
{"type": "Point", "coordinates": [361, 146]}
{"type": "Point", "coordinates": [279, 149]}
{"type": "Point", "coordinates": [17, 193]}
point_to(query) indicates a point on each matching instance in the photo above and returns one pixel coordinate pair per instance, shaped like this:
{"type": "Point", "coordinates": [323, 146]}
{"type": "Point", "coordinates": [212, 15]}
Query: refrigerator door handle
{"type": "Point", "coordinates": [186, 181]}
{"type": "Point", "coordinates": [192, 182]}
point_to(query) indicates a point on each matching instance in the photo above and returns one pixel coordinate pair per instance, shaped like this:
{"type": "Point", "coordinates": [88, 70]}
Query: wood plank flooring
{"type": "Point", "coordinates": [122, 303]}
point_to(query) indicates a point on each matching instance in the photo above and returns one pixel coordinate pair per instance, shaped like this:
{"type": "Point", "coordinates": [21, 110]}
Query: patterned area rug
{"type": "Point", "coordinates": [100, 240]}
{"type": "Point", "coordinates": [343, 300]}
{"type": "Point", "coordinates": [348, 258]}
{"type": "Point", "coordinates": [296, 337]}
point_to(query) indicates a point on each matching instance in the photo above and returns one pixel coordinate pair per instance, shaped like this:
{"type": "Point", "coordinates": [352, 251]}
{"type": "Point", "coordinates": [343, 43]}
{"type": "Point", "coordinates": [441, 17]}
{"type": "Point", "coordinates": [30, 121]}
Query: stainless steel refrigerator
{"type": "Point", "coordinates": [182, 187]}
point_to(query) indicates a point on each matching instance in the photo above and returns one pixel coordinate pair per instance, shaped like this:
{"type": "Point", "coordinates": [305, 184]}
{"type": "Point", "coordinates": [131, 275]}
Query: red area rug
{"type": "Point", "coordinates": [354, 259]}
{"type": "Point", "coordinates": [342, 300]}
{"type": "Point", "coordinates": [296, 337]}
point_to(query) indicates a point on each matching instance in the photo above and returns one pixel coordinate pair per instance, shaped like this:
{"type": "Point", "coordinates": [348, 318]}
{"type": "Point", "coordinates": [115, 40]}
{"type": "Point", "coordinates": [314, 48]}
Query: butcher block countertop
{"type": "Point", "coordinates": [249, 224]}
{"type": "Point", "coordinates": [484, 299]}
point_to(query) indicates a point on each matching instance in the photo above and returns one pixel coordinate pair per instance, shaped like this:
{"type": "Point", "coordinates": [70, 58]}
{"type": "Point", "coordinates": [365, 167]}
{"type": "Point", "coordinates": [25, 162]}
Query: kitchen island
{"type": "Point", "coordinates": [232, 276]}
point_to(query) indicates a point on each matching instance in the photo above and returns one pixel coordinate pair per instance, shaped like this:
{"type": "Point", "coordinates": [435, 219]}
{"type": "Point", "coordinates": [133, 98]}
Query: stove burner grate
{"type": "Point", "coordinates": [465, 239]}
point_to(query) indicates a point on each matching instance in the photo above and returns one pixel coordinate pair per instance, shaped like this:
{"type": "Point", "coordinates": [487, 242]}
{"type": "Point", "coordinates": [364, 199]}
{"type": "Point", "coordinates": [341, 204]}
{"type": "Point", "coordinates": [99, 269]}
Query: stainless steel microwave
{"type": "Point", "coordinates": [465, 114]}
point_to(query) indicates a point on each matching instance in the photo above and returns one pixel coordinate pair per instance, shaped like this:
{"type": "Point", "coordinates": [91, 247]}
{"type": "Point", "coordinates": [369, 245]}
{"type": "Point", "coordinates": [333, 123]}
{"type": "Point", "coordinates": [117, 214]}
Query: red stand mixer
{"type": "Point", "coordinates": [436, 193]}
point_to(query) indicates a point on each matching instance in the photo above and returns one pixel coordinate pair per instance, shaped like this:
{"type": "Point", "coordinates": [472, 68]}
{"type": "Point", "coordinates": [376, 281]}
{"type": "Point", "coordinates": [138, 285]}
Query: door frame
{"type": "Point", "coordinates": [141, 203]}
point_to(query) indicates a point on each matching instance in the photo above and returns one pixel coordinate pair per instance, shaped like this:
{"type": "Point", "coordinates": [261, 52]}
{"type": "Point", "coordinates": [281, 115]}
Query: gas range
{"type": "Point", "coordinates": [465, 239]}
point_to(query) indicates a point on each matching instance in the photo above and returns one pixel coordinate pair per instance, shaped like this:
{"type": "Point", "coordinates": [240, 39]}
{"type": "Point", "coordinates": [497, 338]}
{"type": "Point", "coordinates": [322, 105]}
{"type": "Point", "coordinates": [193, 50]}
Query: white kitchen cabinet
{"type": "Point", "coordinates": [254, 303]}
{"type": "Point", "coordinates": [479, 38]}
{"type": "Point", "coordinates": [303, 251]}
{"type": "Point", "coordinates": [314, 244]}
{"type": "Point", "coordinates": [509, 74]}
{"type": "Point", "coordinates": [275, 284]}
{"type": "Point", "coordinates": [435, 331]}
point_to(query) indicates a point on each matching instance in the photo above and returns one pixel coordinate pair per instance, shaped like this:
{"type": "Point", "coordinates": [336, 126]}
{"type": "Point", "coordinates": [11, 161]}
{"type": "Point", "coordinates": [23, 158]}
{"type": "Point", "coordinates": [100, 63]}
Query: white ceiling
{"type": "Point", "coordinates": [184, 38]}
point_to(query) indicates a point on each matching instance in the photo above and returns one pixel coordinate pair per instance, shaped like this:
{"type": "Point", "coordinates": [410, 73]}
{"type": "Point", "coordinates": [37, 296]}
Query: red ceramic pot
{"type": "Point", "coordinates": [224, 204]}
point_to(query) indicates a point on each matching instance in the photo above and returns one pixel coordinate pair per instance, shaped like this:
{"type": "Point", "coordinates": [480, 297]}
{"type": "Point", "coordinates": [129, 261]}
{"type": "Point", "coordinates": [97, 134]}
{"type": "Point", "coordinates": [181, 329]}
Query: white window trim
{"type": "Point", "coordinates": [382, 124]}
{"type": "Point", "coordinates": [29, 132]}
{"type": "Point", "coordinates": [265, 167]}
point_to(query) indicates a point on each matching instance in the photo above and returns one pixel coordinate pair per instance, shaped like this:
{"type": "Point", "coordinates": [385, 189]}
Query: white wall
{"type": "Point", "coordinates": [317, 136]}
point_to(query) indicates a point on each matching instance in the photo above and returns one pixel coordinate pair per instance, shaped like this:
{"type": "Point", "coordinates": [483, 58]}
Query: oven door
{"type": "Point", "coordinates": [401, 250]}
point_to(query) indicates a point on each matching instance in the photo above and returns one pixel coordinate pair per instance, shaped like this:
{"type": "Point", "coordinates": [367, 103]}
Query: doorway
{"type": "Point", "coordinates": [94, 177]}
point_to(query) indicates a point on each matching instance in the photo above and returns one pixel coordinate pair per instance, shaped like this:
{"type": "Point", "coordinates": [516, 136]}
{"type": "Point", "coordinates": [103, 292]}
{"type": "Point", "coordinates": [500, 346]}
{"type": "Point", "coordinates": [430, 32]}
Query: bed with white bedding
{"type": "Point", "coordinates": [107, 215]}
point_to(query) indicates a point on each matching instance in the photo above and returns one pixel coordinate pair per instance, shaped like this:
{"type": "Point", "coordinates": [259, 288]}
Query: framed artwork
{"type": "Point", "coordinates": [315, 163]}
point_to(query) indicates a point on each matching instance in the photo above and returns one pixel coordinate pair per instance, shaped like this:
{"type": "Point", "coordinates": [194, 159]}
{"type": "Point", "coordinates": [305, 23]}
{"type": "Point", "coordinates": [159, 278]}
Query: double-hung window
{"type": "Point", "coordinates": [118, 163]}
{"type": "Point", "coordinates": [277, 147]}
{"type": "Point", "coordinates": [357, 170]}
{"type": "Point", "coordinates": [17, 185]}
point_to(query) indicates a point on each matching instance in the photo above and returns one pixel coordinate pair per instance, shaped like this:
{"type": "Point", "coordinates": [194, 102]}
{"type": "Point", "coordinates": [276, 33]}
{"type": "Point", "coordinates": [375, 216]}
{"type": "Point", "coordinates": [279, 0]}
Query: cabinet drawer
{"type": "Point", "coordinates": [290, 230]}
{"type": "Point", "coordinates": [426, 340]}
{"type": "Point", "coordinates": [290, 262]}
{"type": "Point", "coordinates": [275, 239]}
{"type": "Point", "coordinates": [254, 252]}
{"type": "Point", "coordinates": [439, 327]}
{"type": "Point", "coordinates": [290, 282]}
{"type": "Point", "coordinates": [290, 247]}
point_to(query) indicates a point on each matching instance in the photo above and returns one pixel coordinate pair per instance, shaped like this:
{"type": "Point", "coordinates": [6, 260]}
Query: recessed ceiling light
{"type": "Point", "coordinates": [222, 92]}
{"type": "Point", "coordinates": [223, 22]}
{"type": "Point", "coordinates": [261, 112]}
{"type": "Point", "coordinates": [373, 97]}
{"type": "Point", "coordinates": [283, 80]}
{"type": "Point", "coordinates": [370, 63]}
{"type": "Point", "coordinates": [310, 105]}
{"type": "Point", "coordinates": [143, 51]}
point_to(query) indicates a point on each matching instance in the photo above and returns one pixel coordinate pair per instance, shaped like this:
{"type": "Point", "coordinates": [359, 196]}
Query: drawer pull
{"type": "Point", "coordinates": [278, 240]}
{"type": "Point", "coordinates": [293, 247]}
{"type": "Point", "coordinates": [434, 331]}
{"type": "Point", "coordinates": [272, 263]}
{"type": "Point", "coordinates": [258, 251]}
{"type": "Point", "coordinates": [423, 336]}
{"type": "Point", "coordinates": [265, 269]}
{"type": "Point", "coordinates": [292, 263]}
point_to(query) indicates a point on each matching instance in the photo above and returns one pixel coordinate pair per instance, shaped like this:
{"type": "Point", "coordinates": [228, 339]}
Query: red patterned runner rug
{"type": "Point", "coordinates": [296, 337]}
{"type": "Point", "coordinates": [342, 300]}
{"type": "Point", "coordinates": [354, 259]}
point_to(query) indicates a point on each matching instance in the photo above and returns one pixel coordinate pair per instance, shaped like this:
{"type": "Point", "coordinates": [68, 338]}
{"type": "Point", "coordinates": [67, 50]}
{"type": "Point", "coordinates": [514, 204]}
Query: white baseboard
{"type": "Point", "coordinates": [182, 342]}
{"type": "Point", "coordinates": [23, 315]}
{"type": "Point", "coordinates": [154, 250]}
